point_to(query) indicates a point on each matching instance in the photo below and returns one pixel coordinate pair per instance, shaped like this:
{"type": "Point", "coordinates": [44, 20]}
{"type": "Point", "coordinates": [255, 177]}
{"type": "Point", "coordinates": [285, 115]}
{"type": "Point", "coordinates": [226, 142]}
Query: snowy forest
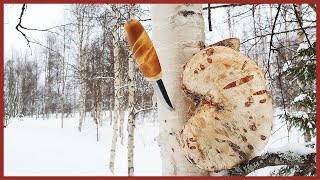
{"type": "Point", "coordinates": [77, 104]}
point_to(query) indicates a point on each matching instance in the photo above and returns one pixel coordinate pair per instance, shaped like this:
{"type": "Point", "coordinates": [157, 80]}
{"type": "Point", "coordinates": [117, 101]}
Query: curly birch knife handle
{"type": "Point", "coordinates": [143, 50]}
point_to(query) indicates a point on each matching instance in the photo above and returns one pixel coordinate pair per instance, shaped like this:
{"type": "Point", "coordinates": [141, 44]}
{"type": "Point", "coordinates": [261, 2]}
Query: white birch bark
{"type": "Point", "coordinates": [82, 90]}
{"type": "Point", "coordinates": [131, 118]}
{"type": "Point", "coordinates": [300, 34]}
{"type": "Point", "coordinates": [82, 60]}
{"type": "Point", "coordinates": [63, 76]}
{"type": "Point", "coordinates": [299, 40]}
{"type": "Point", "coordinates": [177, 31]}
{"type": "Point", "coordinates": [121, 121]}
{"type": "Point", "coordinates": [110, 116]}
{"type": "Point", "coordinates": [116, 87]}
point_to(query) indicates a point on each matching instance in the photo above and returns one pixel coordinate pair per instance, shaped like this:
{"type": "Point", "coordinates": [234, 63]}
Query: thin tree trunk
{"type": "Point", "coordinates": [131, 118]}
{"type": "Point", "coordinates": [116, 86]}
{"type": "Point", "coordinates": [300, 34]}
{"type": "Point", "coordinates": [63, 76]}
{"type": "Point", "coordinates": [299, 40]}
{"type": "Point", "coordinates": [121, 120]}
{"type": "Point", "coordinates": [83, 90]}
{"type": "Point", "coordinates": [229, 21]}
{"type": "Point", "coordinates": [110, 116]}
{"type": "Point", "coordinates": [177, 33]}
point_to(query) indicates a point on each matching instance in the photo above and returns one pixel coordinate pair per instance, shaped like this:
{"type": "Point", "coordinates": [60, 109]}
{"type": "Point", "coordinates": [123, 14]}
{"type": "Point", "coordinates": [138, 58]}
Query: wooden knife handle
{"type": "Point", "coordinates": [143, 50]}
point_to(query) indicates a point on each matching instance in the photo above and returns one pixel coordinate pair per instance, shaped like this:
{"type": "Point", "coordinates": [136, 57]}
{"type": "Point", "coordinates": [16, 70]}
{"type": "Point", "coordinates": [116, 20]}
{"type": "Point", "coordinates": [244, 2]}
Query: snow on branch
{"type": "Point", "coordinates": [303, 157]}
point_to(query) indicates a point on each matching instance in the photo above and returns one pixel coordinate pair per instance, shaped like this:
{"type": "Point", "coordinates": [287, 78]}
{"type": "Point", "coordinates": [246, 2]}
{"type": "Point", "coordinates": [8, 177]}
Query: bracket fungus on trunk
{"type": "Point", "coordinates": [233, 118]}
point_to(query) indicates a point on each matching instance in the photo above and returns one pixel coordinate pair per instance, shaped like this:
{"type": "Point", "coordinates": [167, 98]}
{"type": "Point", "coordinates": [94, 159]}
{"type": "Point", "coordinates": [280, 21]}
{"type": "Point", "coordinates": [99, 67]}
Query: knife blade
{"type": "Point", "coordinates": [147, 59]}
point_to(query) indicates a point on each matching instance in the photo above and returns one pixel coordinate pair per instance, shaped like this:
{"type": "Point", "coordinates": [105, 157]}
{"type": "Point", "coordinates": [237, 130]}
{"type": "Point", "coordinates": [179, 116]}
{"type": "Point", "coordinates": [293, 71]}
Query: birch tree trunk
{"type": "Point", "coordinates": [63, 75]}
{"type": "Point", "coordinates": [116, 86]}
{"type": "Point", "coordinates": [121, 119]}
{"type": "Point", "coordinates": [82, 91]}
{"type": "Point", "coordinates": [299, 40]}
{"type": "Point", "coordinates": [131, 118]}
{"type": "Point", "coordinates": [177, 33]}
{"type": "Point", "coordinates": [82, 60]}
{"type": "Point", "coordinates": [229, 22]}
{"type": "Point", "coordinates": [300, 34]}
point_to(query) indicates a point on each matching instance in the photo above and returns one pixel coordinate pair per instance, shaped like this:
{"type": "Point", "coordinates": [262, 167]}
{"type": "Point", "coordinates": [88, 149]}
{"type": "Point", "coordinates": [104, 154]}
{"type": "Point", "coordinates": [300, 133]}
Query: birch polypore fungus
{"type": "Point", "coordinates": [233, 118]}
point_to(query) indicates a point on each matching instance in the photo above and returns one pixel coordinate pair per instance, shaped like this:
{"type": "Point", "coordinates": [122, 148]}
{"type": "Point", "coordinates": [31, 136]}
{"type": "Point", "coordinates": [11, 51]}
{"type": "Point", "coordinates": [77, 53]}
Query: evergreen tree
{"type": "Point", "coordinates": [304, 72]}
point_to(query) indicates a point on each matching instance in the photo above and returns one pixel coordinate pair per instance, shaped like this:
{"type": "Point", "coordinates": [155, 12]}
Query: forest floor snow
{"type": "Point", "coordinates": [40, 147]}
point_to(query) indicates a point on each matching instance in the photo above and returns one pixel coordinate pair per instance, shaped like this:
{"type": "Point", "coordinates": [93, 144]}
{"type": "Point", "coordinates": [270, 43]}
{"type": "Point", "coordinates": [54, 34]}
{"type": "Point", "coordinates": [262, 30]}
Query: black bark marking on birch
{"type": "Point", "coordinates": [191, 160]}
{"type": "Point", "coordinates": [186, 13]}
{"type": "Point", "coordinates": [201, 45]}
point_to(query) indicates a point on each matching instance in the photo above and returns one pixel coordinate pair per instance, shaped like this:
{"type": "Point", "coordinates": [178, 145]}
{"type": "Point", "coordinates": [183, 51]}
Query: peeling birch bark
{"type": "Point", "coordinates": [177, 31]}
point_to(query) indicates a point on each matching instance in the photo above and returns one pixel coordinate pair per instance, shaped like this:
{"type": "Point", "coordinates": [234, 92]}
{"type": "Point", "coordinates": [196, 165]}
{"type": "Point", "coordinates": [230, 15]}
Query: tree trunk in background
{"type": "Point", "coordinates": [229, 22]}
{"type": "Point", "coordinates": [121, 118]}
{"type": "Point", "coordinates": [299, 40]}
{"type": "Point", "coordinates": [82, 91]}
{"type": "Point", "coordinates": [300, 34]}
{"type": "Point", "coordinates": [131, 103]}
{"type": "Point", "coordinates": [177, 33]}
{"type": "Point", "coordinates": [63, 75]}
{"type": "Point", "coordinates": [116, 86]}
{"type": "Point", "coordinates": [82, 60]}
{"type": "Point", "coordinates": [110, 116]}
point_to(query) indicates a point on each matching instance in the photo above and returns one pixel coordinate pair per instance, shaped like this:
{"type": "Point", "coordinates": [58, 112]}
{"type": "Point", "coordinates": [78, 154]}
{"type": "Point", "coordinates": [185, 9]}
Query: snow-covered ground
{"type": "Point", "coordinates": [35, 147]}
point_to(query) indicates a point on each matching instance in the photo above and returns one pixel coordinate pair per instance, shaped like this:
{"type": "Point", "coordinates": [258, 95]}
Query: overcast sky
{"type": "Point", "coordinates": [42, 16]}
{"type": "Point", "coordinates": [39, 16]}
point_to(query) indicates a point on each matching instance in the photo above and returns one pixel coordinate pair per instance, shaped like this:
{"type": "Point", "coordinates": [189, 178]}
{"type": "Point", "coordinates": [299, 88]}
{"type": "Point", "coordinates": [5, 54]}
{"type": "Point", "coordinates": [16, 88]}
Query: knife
{"type": "Point", "coordinates": [146, 58]}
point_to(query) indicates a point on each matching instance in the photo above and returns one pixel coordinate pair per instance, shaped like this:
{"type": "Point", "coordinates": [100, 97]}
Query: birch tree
{"type": "Point", "coordinates": [116, 85]}
{"type": "Point", "coordinates": [131, 118]}
{"type": "Point", "coordinates": [79, 13]}
{"type": "Point", "coordinates": [178, 31]}
{"type": "Point", "coordinates": [63, 77]}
